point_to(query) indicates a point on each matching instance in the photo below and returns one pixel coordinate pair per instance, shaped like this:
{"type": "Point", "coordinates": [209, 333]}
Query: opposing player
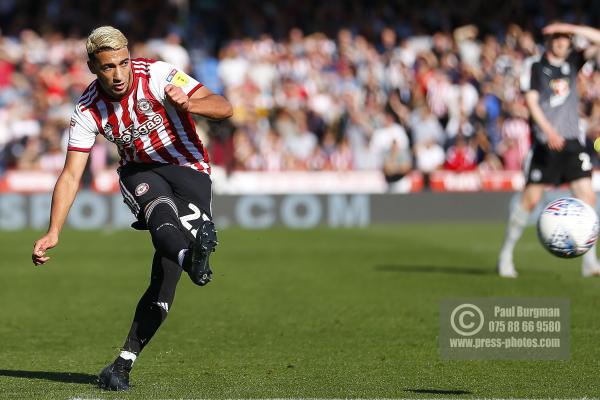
{"type": "Point", "coordinates": [144, 106]}
{"type": "Point", "coordinates": [558, 154]}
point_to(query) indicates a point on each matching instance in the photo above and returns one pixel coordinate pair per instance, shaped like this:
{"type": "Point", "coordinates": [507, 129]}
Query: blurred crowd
{"type": "Point", "coordinates": [354, 88]}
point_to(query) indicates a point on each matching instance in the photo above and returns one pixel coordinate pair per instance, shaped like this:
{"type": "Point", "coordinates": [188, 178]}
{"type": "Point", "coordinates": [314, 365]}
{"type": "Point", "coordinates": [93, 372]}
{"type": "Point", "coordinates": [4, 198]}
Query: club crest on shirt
{"type": "Point", "coordinates": [560, 91]}
{"type": "Point", "coordinates": [141, 189]}
{"type": "Point", "coordinates": [143, 105]}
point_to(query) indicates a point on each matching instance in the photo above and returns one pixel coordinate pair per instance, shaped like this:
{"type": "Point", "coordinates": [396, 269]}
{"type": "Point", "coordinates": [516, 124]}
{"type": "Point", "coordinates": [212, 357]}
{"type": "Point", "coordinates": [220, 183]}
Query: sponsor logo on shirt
{"type": "Point", "coordinates": [171, 75]}
{"type": "Point", "coordinates": [131, 133]}
{"type": "Point", "coordinates": [178, 78]}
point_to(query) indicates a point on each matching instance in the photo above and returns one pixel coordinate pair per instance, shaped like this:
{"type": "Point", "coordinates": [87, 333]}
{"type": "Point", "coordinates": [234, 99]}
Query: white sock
{"type": "Point", "coordinates": [590, 256]}
{"type": "Point", "coordinates": [514, 230]}
{"type": "Point", "coordinates": [180, 257]}
{"type": "Point", "coordinates": [127, 355]}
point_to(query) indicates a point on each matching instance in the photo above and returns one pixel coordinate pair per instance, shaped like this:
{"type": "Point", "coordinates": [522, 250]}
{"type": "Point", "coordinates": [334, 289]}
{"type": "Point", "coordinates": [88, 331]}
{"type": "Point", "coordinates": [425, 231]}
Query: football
{"type": "Point", "coordinates": [568, 227]}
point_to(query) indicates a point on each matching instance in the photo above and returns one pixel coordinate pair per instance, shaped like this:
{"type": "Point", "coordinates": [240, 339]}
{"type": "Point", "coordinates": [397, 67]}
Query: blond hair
{"type": "Point", "coordinates": [104, 38]}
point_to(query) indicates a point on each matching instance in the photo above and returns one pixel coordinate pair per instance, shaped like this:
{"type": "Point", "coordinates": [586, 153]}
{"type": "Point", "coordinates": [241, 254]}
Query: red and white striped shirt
{"type": "Point", "coordinates": [516, 137]}
{"type": "Point", "coordinates": [143, 124]}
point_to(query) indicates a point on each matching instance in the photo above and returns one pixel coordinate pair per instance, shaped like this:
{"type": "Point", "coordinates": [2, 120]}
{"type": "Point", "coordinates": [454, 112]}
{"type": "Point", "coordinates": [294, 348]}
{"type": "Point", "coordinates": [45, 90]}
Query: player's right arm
{"type": "Point", "coordinates": [62, 199]}
{"type": "Point", "coordinates": [555, 141]}
{"type": "Point", "coordinates": [82, 135]}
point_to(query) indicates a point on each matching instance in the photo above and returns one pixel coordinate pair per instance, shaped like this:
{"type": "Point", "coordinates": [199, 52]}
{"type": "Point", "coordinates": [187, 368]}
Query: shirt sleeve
{"type": "Point", "coordinates": [82, 132]}
{"type": "Point", "coordinates": [577, 59]}
{"type": "Point", "coordinates": [163, 74]}
{"type": "Point", "coordinates": [530, 78]}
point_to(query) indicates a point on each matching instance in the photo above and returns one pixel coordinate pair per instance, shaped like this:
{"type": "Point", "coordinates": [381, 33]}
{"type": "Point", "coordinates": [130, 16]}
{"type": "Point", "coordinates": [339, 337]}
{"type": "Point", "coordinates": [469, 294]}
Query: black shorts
{"type": "Point", "coordinates": [189, 189]}
{"type": "Point", "coordinates": [557, 167]}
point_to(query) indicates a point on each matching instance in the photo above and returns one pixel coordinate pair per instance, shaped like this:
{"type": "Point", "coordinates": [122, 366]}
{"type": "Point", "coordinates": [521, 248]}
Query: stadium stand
{"type": "Point", "coordinates": [425, 96]}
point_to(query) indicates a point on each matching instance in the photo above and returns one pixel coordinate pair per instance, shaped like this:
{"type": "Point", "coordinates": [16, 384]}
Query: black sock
{"type": "Point", "coordinates": [153, 307]}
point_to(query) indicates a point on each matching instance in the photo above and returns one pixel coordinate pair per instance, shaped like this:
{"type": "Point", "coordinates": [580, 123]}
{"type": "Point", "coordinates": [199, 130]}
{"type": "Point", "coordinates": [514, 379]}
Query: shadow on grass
{"type": "Point", "coordinates": [438, 391]}
{"type": "Point", "coordinates": [433, 269]}
{"type": "Point", "coordinates": [66, 377]}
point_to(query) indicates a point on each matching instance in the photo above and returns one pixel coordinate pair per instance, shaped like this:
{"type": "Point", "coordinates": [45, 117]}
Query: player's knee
{"type": "Point", "coordinates": [589, 198]}
{"type": "Point", "coordinates": [530, 201]}
{"type": "Point", "coordinates": [592, 198]}
{"type": "Point", "coordinates": [161, 213]}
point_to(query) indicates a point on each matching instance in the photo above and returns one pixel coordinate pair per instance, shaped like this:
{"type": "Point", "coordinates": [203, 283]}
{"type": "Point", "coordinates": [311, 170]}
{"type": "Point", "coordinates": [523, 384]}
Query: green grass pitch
{"type": "Point", "coordinates": [304, 314]}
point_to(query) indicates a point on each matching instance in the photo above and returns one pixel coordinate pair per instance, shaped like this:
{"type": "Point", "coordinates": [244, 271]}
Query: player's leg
{"type": "Point", "coordinates": [582, 189]}
{"type": "Point", "coordinates": [578, 173]}
{"type": "Point", "coordinates": [151, 199]}
{"type": "Point", "coordinates": [151, 311]}
{"type": "Point", "coordinates": [540, 170]}
{"type": "Point", "coordinates": [193, 195]}
{"type": "Point", "coordinates": [154, 305]}
{"type": "Point", "coordinates": [517, 221]}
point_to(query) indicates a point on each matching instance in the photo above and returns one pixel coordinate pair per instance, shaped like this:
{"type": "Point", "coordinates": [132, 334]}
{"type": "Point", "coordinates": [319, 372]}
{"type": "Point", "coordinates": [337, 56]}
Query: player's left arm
{"type": "Point", "coordinates": [202, 102]}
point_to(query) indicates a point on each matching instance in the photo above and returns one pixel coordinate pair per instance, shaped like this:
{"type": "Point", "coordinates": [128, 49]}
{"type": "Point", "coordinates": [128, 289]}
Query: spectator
{"type": "Point", "coordinates": [515, 140]}
{"type": "Point", "coordinates": [308, 93]}
{"type": "Point", "coordinates": [171, 51]}
{"type": "Point", "coordinates": [383, 137]}
{"type": "Point", "coordinates": [460, 157]}
{"type": "Point", "coordinates": [426, 127]}
{"type": "Point", "coordinates": [397, 162]}
{"type": "Point", "coordinates": [301, 143]}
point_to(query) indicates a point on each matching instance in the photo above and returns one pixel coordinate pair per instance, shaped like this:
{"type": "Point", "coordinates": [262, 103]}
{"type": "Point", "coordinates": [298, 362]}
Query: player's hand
{"type": "Point", "coordinates": [47, 242]}
{"type": "Point", "coordinates": [555, 141]}
{"type": "Point", "coordinates": [177, 97]}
